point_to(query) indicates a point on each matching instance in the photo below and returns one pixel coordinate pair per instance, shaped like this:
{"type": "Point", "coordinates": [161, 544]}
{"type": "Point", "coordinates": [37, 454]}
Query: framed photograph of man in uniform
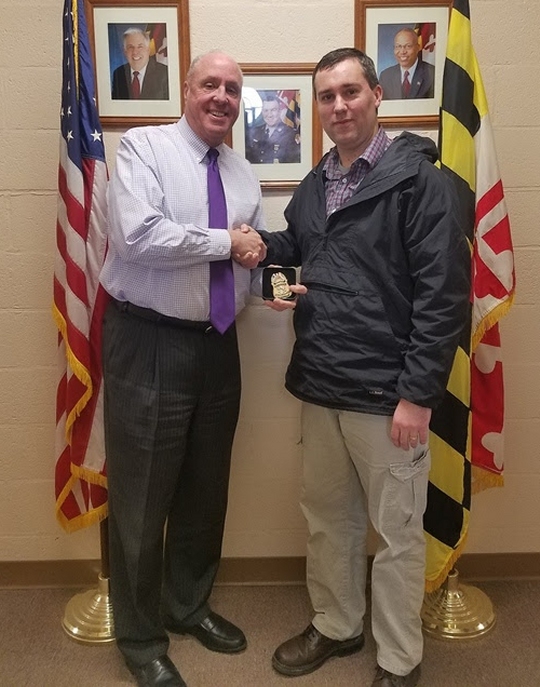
{"type": "Point", "coordinates": [407, 42]}
{"type": "Point", "coordinates": [141, 54]}
{"type": "Point", "coordinates": [278, 130]}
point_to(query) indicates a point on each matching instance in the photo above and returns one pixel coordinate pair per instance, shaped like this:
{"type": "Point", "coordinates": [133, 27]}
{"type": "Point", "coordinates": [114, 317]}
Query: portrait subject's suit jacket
{"type": "Point", "coordinates": [155, 85]}
{"type": "Point", "coordinates": [421, 84]}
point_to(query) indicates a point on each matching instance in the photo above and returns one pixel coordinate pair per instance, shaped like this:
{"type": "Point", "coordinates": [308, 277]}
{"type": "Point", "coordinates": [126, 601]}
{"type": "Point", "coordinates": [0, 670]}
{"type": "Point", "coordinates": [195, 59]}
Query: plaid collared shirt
{"type": "Point", "coordinates": [340, 186]}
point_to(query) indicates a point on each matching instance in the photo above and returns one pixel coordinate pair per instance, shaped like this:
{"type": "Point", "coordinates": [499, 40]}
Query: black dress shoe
{"type": "Point", "coordinates": [161, 672]}
{"type": "Point", "coordinates": [384, 678]}
{"type": "Point", "coordinates": [308, 651]}
{"type": "Point", "coordinates": [214, 632]}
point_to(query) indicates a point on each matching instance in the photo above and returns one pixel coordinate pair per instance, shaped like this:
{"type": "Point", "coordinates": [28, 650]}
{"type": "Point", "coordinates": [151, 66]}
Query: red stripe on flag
{"type": "Point", "coordinates": [76, 340]}
{"type": "Point", "coordinates": [75, 213]}
{"type": "Point", "coordinates": [60, 397]}
{"type": "Point", "coordinates": [75, 277]}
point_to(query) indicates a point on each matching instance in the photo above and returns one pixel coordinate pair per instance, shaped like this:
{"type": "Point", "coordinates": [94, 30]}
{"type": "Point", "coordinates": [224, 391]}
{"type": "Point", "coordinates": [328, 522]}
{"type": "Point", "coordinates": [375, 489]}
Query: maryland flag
{"type": "Point", "coordinates": [466, 438]}
{"type": "Point", "coordinates": [291, 100]}
{"type": "Point", "coordinates": [426, 35]}
{"type": "Point", "coordinates": [79, 300]}
{"type": "Point", "coordinates": [157, 33]}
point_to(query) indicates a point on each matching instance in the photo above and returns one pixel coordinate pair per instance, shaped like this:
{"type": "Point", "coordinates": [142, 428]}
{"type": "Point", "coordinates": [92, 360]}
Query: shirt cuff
{"type": "Point", "coordinates": [220, 244]}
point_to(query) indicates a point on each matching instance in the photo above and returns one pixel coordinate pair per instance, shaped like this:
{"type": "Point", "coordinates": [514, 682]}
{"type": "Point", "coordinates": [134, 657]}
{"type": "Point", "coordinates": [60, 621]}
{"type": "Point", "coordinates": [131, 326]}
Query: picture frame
{"type": "Point", "coordinates": [378, 24]}
{"type": "Point", "coordinates": [158, 33]}
{"type": "Point", "coordinates": [283, 157]}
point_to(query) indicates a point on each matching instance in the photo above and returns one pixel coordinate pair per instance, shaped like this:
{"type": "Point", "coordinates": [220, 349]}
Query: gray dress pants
{"type": "Point", "coordinates": [172, 397]}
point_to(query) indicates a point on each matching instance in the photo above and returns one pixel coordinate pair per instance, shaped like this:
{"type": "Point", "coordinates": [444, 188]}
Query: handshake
{"type": "Point", "coordinates": [247, 247]}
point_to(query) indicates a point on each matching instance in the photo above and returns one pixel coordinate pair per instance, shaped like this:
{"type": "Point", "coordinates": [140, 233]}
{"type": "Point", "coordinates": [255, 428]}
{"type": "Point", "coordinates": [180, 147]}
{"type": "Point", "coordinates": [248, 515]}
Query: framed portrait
{"type": "Point", "coordinates": [141, 56]}
{"type": "Point", "coordinates": [407, 41]}
{"type": "Point", "coordinates": [278, 129]}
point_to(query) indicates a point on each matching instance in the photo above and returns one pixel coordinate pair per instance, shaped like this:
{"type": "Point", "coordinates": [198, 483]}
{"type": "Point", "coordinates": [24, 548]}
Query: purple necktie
{"type": "Point", "coordinates": [222, 308]}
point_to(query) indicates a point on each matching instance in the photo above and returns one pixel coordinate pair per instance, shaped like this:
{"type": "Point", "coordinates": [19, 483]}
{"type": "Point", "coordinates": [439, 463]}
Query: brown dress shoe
{"type": "Point", "coordinates": [384, 678]}
{"type": "Point", "coordinates": [307, 651]}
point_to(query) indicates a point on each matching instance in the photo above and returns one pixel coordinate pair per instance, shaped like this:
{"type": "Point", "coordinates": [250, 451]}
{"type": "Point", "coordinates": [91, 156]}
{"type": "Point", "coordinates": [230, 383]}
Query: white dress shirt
{"type": "Point", "coordinates": [160, 245]}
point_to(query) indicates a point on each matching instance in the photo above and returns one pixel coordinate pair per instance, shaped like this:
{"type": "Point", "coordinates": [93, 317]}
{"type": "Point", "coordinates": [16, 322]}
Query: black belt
{"type": "Point", "coordinates": [154, 316]}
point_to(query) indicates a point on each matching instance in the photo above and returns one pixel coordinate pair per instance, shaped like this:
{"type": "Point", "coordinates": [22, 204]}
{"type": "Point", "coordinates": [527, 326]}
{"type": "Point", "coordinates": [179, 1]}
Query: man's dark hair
{"type": "Point", "coordinates": [340, 55]}
{"type": "Point", "coordinates": [271, 97]}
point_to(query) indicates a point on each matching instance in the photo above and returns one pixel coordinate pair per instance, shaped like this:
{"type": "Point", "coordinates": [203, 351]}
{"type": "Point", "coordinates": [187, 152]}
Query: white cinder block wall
{"type": "Point", "coordinates": [264, 517]}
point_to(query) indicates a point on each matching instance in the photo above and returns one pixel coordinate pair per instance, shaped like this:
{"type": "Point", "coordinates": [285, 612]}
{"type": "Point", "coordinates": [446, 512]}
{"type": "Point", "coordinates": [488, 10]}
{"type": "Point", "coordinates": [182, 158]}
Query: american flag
{"type": "Point", "coordinates": [79, 300]}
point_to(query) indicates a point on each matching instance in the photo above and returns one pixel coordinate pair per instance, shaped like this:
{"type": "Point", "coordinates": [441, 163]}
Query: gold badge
{"type": "Point", "coordinates": [280, 285]}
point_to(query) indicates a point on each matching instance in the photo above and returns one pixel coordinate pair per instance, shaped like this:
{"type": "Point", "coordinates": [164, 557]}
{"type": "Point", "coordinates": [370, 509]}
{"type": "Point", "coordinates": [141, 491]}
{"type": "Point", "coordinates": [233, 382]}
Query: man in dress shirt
{"type": "Point", "coordinates": [142, 77]}
{"type": "Point", "coordinates": [411, 77]}
{"type": "Point", "coordinates": [171, 380]}
{"type": "Point", "coordinates": [272, 141]}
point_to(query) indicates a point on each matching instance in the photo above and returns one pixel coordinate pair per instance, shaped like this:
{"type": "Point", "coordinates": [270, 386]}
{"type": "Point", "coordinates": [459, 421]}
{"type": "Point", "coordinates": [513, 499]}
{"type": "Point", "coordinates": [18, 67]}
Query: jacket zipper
{"type": "Point", "coordinates": [321, 286]}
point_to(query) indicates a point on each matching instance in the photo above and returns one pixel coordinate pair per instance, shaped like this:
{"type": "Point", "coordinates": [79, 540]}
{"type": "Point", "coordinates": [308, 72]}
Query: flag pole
{"type": "Point", "coordinates": [457, 611]}
{"type": "Point", "coordinates": [88, 617]}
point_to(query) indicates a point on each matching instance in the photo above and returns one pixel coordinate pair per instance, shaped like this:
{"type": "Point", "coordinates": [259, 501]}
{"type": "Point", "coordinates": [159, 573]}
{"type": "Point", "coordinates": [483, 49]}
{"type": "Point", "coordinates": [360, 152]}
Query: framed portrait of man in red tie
{"type": "Point", "coordinates": [141, 56]}
{"type": "Point", "coordinates": [407, 42]}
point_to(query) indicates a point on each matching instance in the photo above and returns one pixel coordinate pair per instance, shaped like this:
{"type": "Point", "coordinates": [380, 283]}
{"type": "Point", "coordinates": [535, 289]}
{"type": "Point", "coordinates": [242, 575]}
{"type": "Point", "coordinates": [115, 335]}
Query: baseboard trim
{"type": "Point", "coordinates": [253, 571]}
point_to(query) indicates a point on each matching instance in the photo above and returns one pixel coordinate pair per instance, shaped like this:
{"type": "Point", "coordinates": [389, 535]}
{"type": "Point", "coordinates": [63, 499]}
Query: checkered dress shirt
{"type": "Point", "coordinates": [339, 185]}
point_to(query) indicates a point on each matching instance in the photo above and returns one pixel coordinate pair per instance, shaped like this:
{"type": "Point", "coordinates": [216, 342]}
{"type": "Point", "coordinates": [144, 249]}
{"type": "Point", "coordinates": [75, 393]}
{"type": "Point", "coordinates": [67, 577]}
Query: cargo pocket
{"type": "Point", "coordinates": [405, 498]}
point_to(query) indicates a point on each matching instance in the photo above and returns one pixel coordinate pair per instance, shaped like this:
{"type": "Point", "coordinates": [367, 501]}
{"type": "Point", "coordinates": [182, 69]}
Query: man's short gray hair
{"type": "Point", "coordinates": [132, 31]}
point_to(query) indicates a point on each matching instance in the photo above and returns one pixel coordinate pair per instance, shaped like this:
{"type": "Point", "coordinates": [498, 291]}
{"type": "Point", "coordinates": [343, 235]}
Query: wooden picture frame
{"type": "Point", "coordinates": [294, 146]}
{"type": "Point", "coordinates": [378, 24]}
{"type": "Point", "coordinates": [166, 28]}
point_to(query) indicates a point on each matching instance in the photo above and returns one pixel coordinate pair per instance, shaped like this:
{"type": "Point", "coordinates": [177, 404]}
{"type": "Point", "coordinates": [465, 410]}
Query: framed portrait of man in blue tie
{"type": "Point", "coordinates": [407, 42]}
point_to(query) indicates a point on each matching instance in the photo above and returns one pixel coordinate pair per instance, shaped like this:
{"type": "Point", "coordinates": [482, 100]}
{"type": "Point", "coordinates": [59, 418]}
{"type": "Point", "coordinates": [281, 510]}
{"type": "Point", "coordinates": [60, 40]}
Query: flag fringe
{"type": "Point", "coordinates": [89, 476]}
{"type": "Point", "coordinates": [92, 517]}
{"type": "Point", "coordinates": [490, 320]}
{"type": "Point", "coordinates": [79, 370]}
{"type": "Point", "coordinates": [433, 585]}
{"type": "Point", "coordinates": [85, 519]}
{"type": "Point", "coordinates": [485, 479]}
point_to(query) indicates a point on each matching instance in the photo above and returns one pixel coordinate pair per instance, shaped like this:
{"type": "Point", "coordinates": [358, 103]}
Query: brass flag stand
{"type": "Point", "coordinates": [457, 611]}
{"type": "Point", "coordinates": [88, 616]}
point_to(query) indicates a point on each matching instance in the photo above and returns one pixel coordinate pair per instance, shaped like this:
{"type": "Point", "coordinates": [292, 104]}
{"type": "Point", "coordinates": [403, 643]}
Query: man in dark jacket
{"type": "Point", "coordinates": [387, 271]}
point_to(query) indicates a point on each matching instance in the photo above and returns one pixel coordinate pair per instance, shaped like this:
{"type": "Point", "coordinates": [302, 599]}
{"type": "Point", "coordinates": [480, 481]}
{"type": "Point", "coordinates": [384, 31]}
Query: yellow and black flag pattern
{"type": "Point", "coordinates": [466, 430]}
{"type": "Point", "coordinates": [446, 519]}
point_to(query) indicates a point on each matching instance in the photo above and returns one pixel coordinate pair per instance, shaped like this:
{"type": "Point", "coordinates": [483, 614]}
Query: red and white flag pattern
{"type": "Point", "coordinates": [493, 293]}
{"type": "Point", "coordinates": [79, 300]}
